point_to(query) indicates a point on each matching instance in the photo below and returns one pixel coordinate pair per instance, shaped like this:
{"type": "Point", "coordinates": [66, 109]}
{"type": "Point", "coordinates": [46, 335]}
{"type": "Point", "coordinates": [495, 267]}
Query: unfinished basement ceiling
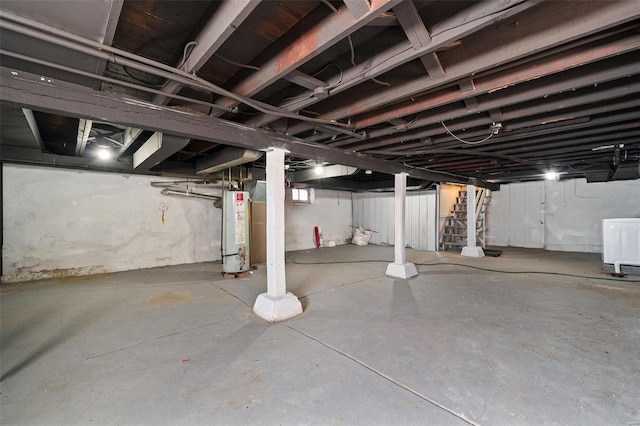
{"type": "Point", "coordinates": [484, 92]}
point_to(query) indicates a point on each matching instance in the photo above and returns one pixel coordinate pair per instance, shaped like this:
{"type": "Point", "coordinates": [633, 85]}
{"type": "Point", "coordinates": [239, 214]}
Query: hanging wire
{"type": "Point", "coordinates": [408, 125]}
{"type": "Point", "coordinates": [142, 64]}
{"type": "Point", "coordinates": [188, 48]}
{"type": "Point", "coordinates": [330, 6]}
{"type": "Point", "coordinates": [325, 68]}
{"type": "Point", "coordinates": [464, 141]}
{"type": "Point", "coordinates": [383, 83]}
{"type": "Point", "coordinates": [251, 67]}
{"type": "Point", "coordinates": [353, 62]}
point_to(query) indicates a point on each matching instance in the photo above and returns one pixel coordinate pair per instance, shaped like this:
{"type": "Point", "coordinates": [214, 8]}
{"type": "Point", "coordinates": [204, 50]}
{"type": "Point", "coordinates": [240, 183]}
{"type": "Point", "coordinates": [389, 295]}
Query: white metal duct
{"type": "Point", "coordinates": [227, 158]}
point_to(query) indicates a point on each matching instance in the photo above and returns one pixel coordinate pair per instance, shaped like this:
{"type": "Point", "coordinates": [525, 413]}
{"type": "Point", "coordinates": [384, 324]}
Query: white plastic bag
{"type": "Point", "coordinates": [361, 236]}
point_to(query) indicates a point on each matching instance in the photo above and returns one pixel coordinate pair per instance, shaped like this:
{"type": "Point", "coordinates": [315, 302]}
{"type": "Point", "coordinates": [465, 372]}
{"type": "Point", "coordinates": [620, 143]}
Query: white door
{"type": "Point", "coordinates": [527, 215]}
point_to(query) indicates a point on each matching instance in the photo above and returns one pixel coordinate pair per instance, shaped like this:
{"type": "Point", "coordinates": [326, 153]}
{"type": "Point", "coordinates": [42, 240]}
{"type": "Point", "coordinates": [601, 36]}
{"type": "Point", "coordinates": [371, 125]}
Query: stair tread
{"type": "Point", "coordinates": [455, 235]}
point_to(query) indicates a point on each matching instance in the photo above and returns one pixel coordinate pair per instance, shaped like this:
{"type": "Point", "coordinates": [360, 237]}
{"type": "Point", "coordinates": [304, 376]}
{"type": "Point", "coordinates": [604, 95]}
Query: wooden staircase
{"type": "Point", "coordinates": [454, 236]}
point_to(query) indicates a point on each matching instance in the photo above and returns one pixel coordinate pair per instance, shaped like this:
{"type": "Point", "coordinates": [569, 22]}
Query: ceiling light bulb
{"type": "Point", "coordinates": [104, 154]}
{"type": "Point", "coordinates": [552, 175]}
{"type": "Point", "coordinates": [318, 170]}
{"type": "Point", "coordinates": [368, 172]}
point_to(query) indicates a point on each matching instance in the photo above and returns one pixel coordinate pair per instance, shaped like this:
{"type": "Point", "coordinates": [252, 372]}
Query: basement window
{"type": "Point", "coordinates": [302, 195]}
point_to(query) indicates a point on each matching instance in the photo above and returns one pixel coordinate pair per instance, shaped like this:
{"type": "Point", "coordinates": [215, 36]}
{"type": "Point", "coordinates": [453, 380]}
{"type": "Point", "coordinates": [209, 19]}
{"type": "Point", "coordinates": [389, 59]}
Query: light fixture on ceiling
{"type": "Point", "coordinates": [368, 172]}
{"type": "Point", "coordinates": [318, 169]}
{"type": "Point", "coordinates": [551, 176]}
{"type": "Point", "coordinates": [104, 153]}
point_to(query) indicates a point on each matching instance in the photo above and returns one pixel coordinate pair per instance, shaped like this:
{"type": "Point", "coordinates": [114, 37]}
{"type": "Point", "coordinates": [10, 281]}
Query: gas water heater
{"type": "Point", "coordinates": [235, 231]}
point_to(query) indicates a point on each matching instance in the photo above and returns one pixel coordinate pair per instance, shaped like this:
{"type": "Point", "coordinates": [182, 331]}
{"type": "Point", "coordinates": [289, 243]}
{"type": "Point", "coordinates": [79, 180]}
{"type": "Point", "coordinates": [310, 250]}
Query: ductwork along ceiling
{"type": "Point", "coordinates": [484, 92]}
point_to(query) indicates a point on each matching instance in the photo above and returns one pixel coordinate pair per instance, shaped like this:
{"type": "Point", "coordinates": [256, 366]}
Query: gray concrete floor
{"type": "Point", "coordinates": [455, 345]}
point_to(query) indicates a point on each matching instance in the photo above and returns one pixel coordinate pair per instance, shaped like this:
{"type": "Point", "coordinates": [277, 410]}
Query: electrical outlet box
{"type": "Point", "coordinates": [321, 92]}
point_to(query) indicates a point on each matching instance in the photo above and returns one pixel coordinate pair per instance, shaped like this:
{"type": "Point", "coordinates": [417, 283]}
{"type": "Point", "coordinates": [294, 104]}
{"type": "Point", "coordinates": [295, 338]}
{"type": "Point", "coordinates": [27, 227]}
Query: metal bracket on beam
{"type": "Point", "coordinates": [467, 86]}
{"type": "Point", "coordinates": [496, 115]}
{"type": "Point", "coordinates": [471, 104]}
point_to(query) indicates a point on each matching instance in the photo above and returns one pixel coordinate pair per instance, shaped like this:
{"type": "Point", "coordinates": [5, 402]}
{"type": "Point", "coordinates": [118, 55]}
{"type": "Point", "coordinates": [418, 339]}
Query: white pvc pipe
{"type": "Point", "coordinates": [107, 79]}
{"type": "Point", "coordinates": [619, 263]}
{"type": "Point", "coordinates": [187, 194]}
{"type": "Point", "coordinates": [127, 59]}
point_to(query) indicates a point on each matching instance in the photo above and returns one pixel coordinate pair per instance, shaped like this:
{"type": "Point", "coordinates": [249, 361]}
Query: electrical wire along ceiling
{"type": "Point", "coordinates": [483, 92]}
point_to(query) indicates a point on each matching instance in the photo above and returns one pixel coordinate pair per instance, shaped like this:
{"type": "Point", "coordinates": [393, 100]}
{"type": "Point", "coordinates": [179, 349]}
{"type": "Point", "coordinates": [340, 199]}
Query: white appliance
{"type": "Point", "coordinates": [621, 245]}
{"type": "Point", "coordinates": [235, 231]}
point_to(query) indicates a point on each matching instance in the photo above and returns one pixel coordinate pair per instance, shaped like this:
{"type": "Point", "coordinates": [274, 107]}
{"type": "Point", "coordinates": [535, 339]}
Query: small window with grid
{"type": "Point", "coordinates": [301, 196]}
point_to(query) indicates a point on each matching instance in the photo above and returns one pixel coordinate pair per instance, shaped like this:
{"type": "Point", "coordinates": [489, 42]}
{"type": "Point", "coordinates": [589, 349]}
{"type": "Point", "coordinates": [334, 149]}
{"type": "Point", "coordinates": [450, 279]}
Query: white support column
{"type": "Point", "coordinates": [471, 250]}
{"type": "Point", "coordinates": [400, 268]}
{"type": "Point", "coordinates": [276, 304]}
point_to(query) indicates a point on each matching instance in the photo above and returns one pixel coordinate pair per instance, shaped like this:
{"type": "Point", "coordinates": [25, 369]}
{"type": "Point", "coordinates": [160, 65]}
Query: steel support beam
{"type": "Point", "coordinates": [419, 37]}
{"type": "Point", "coordinates": [535, 106]}
{"type": "Point", "coordinates": [517, 115]}
{"type": "Point", "coordinates": [506, 144]}
{"type": "Point", "coordinates": [346, 184]}
{"type": "Point", "coordinates": [26, 90]}
{"type": "Point", "coordinates": [537, 30]}
{"type": "Point", "coordinates": [229, 15]}
{"type": "Point", "coordinates": [597, 73]}
{"type": "Point", "coordinates": [482, 15]}
{"type": "Point", "coordinates": [109, 33]}
{"type": "Point", "coordinates": [313, 42]}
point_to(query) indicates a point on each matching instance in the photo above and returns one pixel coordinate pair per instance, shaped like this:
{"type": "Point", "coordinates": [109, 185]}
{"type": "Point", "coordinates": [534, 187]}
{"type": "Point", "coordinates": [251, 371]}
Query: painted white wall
{"type": "Point", "coordinates": [331, 211]}
{"type": "Point", "coordinates": [65, 222]}
{"type": "Point", "coordinates": [564, 216]}
{"type": "Point", "coordinates": [375, 211]}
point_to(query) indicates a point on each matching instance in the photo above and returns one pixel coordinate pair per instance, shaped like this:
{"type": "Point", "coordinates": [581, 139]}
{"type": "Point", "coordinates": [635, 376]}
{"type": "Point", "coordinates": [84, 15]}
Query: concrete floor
{"type": "Point", "coordinates": [455, 345]}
